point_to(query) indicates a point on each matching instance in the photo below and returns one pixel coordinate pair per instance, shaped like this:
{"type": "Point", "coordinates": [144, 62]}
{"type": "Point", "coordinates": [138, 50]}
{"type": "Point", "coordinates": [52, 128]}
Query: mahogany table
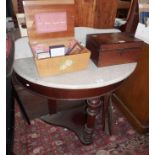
{"type": "Point", "coordinates": [92, 85]}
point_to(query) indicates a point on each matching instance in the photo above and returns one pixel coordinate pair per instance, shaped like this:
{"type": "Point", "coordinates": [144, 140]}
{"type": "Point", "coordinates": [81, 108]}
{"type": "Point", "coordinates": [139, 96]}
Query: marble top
{"type": "Point", "coordinates": [92, 77]}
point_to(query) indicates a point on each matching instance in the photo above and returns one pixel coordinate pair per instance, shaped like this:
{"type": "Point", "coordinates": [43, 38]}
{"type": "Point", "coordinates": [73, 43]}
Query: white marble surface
{"type": "Point", "coordinates": [22, 48]}
{"type": "Point", "coordinates": [92, 77]}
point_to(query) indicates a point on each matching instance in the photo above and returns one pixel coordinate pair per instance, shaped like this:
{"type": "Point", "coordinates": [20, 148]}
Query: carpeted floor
{"type": "Point", "coordinates": [40, 138]}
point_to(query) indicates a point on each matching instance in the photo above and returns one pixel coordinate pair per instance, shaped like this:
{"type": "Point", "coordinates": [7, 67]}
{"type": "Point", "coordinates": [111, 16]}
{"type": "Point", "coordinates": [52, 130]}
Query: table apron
{"type": "Point", "coordinates": [67, 94]}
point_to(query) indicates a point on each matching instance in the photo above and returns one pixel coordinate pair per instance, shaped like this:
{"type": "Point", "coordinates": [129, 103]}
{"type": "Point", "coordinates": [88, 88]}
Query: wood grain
{"type": "Point", "coordinates": [95, 13]}
{"type": "Point", "coordinates": [105, 13]}
{"type": "Point", "coordinates": [106, 49]}
{"type": "Point", "coordinates": [45, 2]}
{"type": "Point", "coordinates": [33, 7]}
{"type": "Point", "coordinates": [132, 18]}
{"type": "Point", "coordinates": [134, 93]}
{"type": "Point", "coordinates": [54, 66]}
{"type": "Point", "coordinates": [85, 12]}
{"type": "Point", "coordinates": [124, 5]}
{"type": "Point", "coordinates": [89, 13]}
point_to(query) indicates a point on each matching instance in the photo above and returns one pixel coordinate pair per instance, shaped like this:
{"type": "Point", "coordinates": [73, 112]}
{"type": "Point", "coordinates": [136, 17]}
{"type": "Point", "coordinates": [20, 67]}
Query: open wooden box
{"type": "Point", "coordinates": [51, 22]}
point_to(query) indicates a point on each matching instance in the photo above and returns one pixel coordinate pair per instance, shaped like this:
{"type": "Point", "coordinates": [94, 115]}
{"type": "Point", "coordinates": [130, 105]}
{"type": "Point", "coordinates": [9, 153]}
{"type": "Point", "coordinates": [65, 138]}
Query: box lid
{"type": "Point", "coordinates": [49, 19]}
{"type": "Point", "coordinates": [111, 41]}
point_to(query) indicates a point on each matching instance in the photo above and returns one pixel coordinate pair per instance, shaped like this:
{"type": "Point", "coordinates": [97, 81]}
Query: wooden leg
{"type": "Point", "coordinates": [92, 110]}
{"type": "Point", "coordinates": [107, 114]}
{"type": "Point", "coordinates": [52, 106]}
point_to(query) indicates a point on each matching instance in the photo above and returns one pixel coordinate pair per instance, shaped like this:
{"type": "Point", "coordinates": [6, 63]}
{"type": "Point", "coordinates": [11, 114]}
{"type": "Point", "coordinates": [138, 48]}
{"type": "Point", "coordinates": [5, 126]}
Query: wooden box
{"type": "Point", "coordinates": [113, 48]}
{"type": "Point", "coordinates": [51, 23]}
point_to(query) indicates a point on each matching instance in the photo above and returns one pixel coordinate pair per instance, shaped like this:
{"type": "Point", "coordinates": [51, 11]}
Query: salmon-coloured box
{"type": "Point", "coordinates": [51, 23]}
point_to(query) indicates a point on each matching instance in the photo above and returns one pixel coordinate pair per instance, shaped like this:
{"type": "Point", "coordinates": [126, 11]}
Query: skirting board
{"type": "Point", "coordinates": [129, 115]}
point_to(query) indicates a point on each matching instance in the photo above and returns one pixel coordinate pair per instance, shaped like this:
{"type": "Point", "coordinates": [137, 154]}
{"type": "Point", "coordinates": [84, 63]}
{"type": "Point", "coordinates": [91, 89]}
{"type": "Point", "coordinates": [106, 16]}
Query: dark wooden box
{"type": "Point", "coordinates": [113, 48]}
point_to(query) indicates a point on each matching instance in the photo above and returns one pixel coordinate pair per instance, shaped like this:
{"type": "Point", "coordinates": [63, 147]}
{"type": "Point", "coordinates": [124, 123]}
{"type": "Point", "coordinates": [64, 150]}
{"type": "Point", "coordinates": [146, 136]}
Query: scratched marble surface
{"type": "Point", "coordinates": [92, 77]}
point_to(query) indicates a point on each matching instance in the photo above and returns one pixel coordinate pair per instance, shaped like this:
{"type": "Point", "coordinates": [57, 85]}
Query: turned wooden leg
{"type": "Point", "coordinates": [52, 106]}
{"type": "Point", "coordinates": [107, 114]}
{"type": "Point", "coordinates": [92, 110]}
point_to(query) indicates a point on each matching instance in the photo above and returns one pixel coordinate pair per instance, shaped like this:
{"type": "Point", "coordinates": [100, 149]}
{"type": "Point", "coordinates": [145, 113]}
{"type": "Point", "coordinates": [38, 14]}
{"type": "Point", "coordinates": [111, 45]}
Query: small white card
{"type": "Point", "coordinates": [57, 51]}
{"type": "Point", "coordinates": [43, 55]}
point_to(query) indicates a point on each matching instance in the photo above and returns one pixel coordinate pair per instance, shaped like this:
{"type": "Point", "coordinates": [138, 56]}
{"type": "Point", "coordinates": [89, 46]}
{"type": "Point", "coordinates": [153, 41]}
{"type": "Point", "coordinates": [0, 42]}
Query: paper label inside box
{"type": "Point", "coordinates": [51, 22]}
